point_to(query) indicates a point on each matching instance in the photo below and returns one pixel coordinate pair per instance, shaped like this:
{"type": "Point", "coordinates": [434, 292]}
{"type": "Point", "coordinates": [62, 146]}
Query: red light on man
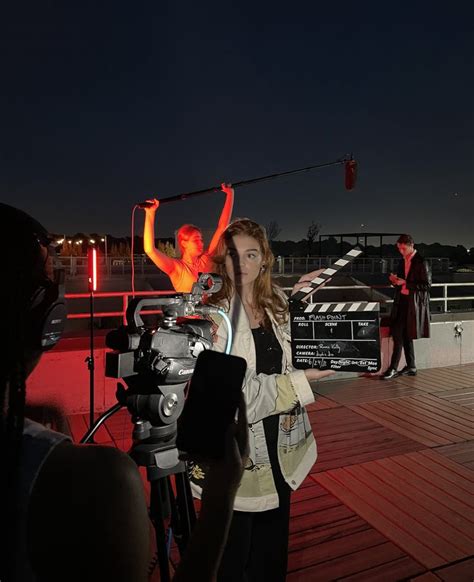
{"type": "Point", "coordinates": [183, 272]}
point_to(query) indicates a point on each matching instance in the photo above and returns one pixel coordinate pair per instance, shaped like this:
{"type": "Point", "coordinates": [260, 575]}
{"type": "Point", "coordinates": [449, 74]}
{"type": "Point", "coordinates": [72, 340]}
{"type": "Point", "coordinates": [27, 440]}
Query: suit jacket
{"type": "Point", "coordinates": [418, 282]}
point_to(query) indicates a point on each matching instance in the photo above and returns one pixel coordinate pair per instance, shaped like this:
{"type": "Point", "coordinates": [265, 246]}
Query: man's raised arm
{"type": "Point", "coordinates": [224, 218]}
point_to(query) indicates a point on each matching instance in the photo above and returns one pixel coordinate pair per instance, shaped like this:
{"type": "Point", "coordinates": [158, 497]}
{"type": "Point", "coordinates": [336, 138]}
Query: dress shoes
{"type": "Point", "coordinates": [390, 374]}
{"type": "Point", "coordinates": [408, 371]}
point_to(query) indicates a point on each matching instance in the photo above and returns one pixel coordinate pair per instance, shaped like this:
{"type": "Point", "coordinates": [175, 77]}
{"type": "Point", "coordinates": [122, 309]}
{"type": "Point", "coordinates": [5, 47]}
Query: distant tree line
{"type": "Point", "coordinates": [459, 255]}
{"type": "Point", "coordinates": [77, 245]}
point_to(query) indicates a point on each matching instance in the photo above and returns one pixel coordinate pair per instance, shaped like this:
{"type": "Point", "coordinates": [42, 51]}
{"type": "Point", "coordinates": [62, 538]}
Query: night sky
{"type": "Point", "coordinates": [107, 103]}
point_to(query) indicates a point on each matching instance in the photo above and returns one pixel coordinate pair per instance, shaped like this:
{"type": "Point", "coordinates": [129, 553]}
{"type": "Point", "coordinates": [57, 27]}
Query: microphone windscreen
{"type": "Point", "coordinates": [350, 171]}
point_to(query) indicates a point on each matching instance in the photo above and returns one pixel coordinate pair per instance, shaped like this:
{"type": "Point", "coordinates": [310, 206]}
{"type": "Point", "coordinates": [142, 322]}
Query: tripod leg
{"type": "Point", "coordinates": [187, 497]}
{"type": "Point", "coordinates": [159, 508]}
{"type": "Point", "coordinates": [183, 512]}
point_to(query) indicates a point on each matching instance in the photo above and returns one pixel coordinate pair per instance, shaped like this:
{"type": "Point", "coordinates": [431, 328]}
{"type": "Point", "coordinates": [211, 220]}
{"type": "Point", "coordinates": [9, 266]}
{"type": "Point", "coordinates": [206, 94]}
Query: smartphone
{"type": "Point", "coordinates": [211, 404]}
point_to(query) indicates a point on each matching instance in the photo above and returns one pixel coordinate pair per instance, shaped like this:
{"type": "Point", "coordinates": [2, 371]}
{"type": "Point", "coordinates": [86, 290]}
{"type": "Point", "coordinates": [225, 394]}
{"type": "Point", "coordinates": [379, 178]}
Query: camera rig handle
{"type": "Point", "coordinates": [182, 305]}
{"type": "Point", "coordinates": [181, 308]}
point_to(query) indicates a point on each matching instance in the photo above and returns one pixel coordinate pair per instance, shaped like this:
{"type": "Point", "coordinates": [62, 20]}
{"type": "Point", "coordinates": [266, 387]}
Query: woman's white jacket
{"type": "Point", "coordinates": [285, 394]}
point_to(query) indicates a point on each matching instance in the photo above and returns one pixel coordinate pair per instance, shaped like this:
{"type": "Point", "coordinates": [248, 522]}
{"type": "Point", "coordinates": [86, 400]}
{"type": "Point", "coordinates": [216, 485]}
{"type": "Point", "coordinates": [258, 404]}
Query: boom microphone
{"type": "Point", "coordinates": [350, 166]}
{"type": "Point", "coordinates": [350, 170]}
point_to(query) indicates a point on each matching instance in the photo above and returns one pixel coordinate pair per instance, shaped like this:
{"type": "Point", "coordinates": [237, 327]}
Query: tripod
{"type": "Point", "coordinates": [154, 448]}
{"type": "Point", "coordinates": [157, 452]}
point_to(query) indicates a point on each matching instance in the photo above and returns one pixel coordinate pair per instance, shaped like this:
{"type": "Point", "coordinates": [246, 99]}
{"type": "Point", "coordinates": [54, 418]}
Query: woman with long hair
{"type": "Point", "coordinates": [282, 445]}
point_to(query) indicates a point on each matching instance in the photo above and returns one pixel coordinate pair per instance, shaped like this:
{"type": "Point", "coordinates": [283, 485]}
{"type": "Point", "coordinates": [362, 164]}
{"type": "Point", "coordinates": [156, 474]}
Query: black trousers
{"type": "Point", "coordinates": [400, 336]}
{"type": "Point", "coordinates": [257, 546]}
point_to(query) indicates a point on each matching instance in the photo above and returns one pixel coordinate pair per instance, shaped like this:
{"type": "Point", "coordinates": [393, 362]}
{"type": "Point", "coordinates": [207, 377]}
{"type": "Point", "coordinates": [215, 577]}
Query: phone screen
{"type": "Point", "coordinates": [211, 404]}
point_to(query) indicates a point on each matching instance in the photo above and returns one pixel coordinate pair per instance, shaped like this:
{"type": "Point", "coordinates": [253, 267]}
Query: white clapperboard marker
{"type": "Point", "coordinates": [313, 285]}
{"type": "Point", "coordinates": [339, 336]}
{"type": "Point", "coordinates": [341, 307]}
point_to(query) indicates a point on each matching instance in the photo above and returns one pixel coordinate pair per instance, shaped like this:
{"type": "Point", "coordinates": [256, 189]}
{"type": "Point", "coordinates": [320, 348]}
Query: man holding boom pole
{"type": "Point", "coordinates": [183, 272]}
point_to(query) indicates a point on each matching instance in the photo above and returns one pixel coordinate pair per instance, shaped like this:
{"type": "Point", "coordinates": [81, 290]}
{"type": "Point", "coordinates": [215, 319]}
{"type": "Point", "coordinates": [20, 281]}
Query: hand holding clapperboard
{"type": "Point", "coordinates": [336, 336]}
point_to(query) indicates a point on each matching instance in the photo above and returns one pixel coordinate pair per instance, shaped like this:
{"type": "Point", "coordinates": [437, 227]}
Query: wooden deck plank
{"type": "Point", "coordinates": [322, 403]}
{"type": "Point", "coordinates": [452, 466]}
{"type": "Point", "coordinates": [439, 409]}
{"type": "Point", "coordinates": [394, 571]}
{"type": "Point", "coordinates": [414, 510]}
{"type": "Point", "coordinates": [359, 562]}
{"type": "Point", "coordinates": [460, 572]}
{"type": "Point", "coordinates": [323, 517]}
{"type": "Point", "coordinates": [375, 515]}
{"type": "Point", "coordinates": [462, 453]}
{"type": "Point", "coordinates": [356, 391]}
{"type": "Point", "coordinates": [423, 529]}
{"type": "Point", "coordinates": [451, 473]}
{"type": "Point", "coordinates": [431, 382]}
{"type": "Point", "coordinates": [428, 420]}
{"type": "Point", "coordinates": [331, 549]}
{"type": "Point", "coordinates": [437, 421]}
{"type": "Point", "coordinates": [344, 437]}
{"type": "Point", "coordinates": [399, 425]}
{"type": "Point", "coordinates": [462, 397]}
{"type": "Point", "coordinates": [311, 491]}
{"type": "Point", "coordinates": [445, 405]}
{"type": "Point", "coordinates": [450, 375]}
{"type": "Point", "coordinates": [79, 425]}
{"type": "Point", "coordinates": [448, 533]}
{"type": "Point", "coordinates": [413, 478]}
{"type": "Point", "coordinates": [450, 492]}
{"type": "Point", "coordinates": [312, 505]}
{"type": "Point", "coordinates": [322, 533]}
{"type": "Point", "coordinates": [426, 577]}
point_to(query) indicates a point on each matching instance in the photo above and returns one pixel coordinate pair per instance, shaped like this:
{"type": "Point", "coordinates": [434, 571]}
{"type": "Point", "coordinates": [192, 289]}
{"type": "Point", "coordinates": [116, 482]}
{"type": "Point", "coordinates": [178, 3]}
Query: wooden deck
{"type": "Point", "coordinates": [391, 497]}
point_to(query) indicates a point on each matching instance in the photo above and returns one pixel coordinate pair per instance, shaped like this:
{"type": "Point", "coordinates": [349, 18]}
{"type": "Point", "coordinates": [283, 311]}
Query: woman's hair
{"type": "Point", "coordinates": [185, 232]}
{"type": "Point", "coordinates": [266, 295]}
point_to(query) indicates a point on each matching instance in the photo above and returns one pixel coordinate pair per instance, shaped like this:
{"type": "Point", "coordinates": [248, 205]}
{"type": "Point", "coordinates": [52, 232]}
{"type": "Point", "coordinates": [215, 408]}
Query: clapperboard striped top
{"type": "Point", "coordinates": [341, 307]}
{"type": "Point", "coordinates": [327, 274]}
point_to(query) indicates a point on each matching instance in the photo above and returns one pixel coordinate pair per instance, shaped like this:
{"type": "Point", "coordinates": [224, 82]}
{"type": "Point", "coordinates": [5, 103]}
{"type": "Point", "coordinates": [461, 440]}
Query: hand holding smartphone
{"type": "Point", "coordinates": [211, 405]}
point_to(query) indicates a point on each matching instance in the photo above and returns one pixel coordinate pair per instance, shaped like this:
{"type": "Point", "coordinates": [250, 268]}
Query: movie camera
{"type": "Point", "coordinates": [157, 361]}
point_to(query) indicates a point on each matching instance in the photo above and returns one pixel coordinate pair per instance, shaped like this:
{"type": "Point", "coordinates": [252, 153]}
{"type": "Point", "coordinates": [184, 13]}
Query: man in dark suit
{"type": "Point", "coordinates": [410, 318]}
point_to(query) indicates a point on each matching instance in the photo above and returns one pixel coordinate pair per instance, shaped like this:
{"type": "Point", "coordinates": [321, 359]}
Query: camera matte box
{"type": "Point", "coordinates": [336, 336]}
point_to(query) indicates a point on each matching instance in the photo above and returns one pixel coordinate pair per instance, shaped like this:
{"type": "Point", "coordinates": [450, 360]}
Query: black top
{"type": "Point", "coordinates": [269, 355]}
{"type": "Point", "coordinates": [268, 351]}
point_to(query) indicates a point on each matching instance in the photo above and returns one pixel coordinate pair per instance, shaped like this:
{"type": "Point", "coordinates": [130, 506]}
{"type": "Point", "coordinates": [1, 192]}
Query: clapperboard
{"type": "Point", "coordinates": [335, 336]}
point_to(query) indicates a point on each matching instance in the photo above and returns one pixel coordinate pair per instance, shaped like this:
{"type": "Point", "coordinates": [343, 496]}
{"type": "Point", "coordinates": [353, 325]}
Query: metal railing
{"type": "Point", "coordinates": [445, 299]}
{"type": "Point", "coordinates": [295, 265]}
{"type": "Point", "coordinates": [113, 266]}
{"type": "Point", "coordinates": [124, 295]}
